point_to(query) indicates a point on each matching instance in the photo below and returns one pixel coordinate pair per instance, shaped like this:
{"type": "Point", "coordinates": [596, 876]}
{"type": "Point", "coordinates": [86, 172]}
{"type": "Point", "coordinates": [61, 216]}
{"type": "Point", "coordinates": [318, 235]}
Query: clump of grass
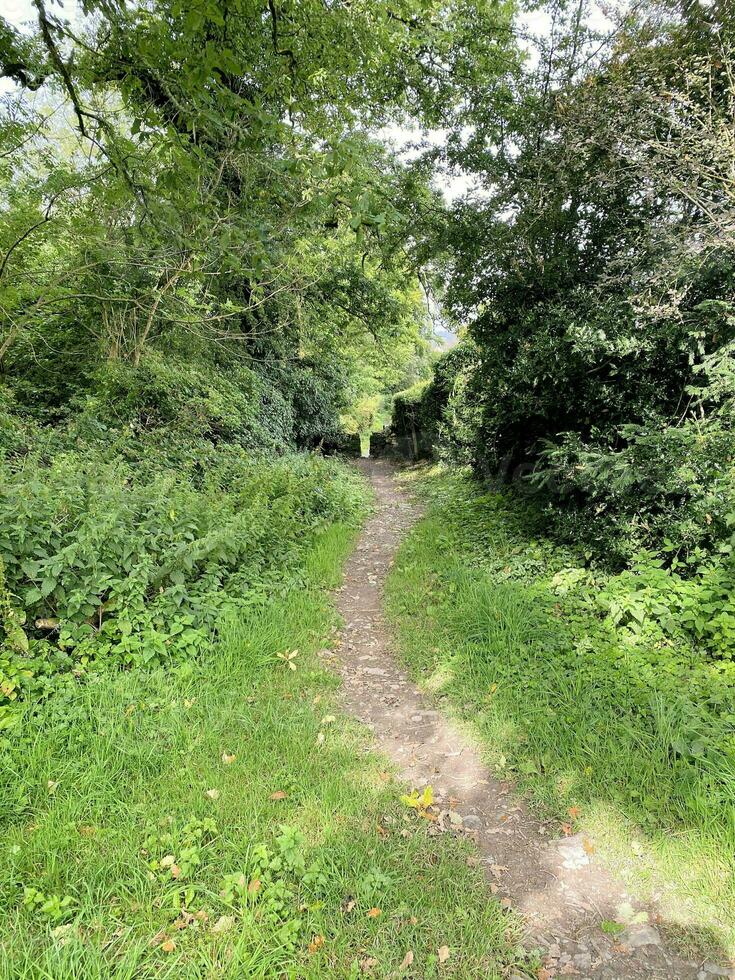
{"type": "Point", "coordinates": [221, 818]}
{"type": "Point", "coordinates": [590, 717]}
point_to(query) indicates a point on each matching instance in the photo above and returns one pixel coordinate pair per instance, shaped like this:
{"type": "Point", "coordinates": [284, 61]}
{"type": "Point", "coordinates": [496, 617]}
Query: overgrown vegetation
{"type": "Point", "coordinates": [213, 270]}
{"type": "Point", "coordinates": [595, 276]}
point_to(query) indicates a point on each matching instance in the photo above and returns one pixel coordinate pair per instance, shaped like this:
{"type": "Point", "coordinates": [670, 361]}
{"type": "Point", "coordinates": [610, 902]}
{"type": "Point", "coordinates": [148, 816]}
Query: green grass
{"type": "Point", "coordinates": [497, 622]}
{"type": "Point", "coordinates": [103, 789]}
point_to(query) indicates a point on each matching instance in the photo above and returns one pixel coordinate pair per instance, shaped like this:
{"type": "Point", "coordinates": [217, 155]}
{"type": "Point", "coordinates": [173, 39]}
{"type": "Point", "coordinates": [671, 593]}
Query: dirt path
{"type": "Point", "coordinates": [558, 886]}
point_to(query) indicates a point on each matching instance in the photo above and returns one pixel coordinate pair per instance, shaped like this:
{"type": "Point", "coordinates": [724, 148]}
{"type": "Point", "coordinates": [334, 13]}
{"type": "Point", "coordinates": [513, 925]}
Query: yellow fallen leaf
{"type": "Point", "coordinates": [288, 658]}
{"type": "Point", "coordinates": [213, 794]}
{"type": "Point", "coordinates": [168, 946]}
{"type": "Point", "coordinates": [316, 944]}
{"type": "Point", "coordinates": [443, 954]}
{"type": "Point", "coordinates": [175, 871]}
{"type": "Point", "coordinates": [328, 720]}
{"type": "Point", "coordinates": [228, 759]}
{"type": "Point", "coordinates": [419, 801]}
{"type": "Point", "coordinates": [52, 786]}
{"type": "Point", "coordinates": [373, 913]}
{"type": "Point", "coordinates": [168, 861]}
{"type": "Point", "coordinates": [279, 795]}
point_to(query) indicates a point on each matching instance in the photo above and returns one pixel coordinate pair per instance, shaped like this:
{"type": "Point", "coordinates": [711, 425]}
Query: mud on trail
{"type": "Point", "coordinates": [558, 887]}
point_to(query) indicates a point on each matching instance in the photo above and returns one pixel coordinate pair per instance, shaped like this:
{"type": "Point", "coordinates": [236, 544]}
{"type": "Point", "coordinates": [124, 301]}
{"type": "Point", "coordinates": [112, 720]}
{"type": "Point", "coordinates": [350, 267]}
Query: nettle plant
{"type": "Point", "coordinates": [105, 564]}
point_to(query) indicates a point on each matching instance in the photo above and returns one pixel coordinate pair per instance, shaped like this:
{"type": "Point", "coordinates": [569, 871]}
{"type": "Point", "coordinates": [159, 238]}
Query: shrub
{"type": "Point", "coordinates": [105, 561]}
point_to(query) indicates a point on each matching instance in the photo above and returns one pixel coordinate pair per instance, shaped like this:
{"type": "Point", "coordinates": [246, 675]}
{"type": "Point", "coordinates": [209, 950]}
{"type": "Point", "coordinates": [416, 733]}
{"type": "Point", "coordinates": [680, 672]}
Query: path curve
{"type": "Point", "coordinates": [558, 886]}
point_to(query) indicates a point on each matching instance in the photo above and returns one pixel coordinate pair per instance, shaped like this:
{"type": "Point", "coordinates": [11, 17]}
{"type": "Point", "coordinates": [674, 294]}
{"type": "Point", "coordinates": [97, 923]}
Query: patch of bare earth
{"type": "Point", "coordinates": [559, 887]}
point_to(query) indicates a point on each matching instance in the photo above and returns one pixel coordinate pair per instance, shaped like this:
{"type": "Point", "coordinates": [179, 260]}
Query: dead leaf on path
{"type": "Point", "coordinates": [506, 903]}
{"type": "Point", "coordinates": [213, 794]}
{"type": "Point", "coordinates": [494, 889]}
{"type": "Point", "coordinates": [443, 954]}
{"type": "Point", "coordinates": [224, 924]}
{"type": "Point", "coordinates": [544, 974]}
{"type": "Point", "coordinates": [228, 758]}
{"type": "Point", "coordinates": [374, 913]}
{"type": "Point", "coordinates": [279, 795]}
{"type": "Point", "coordinates": [407, 960]}
{"type": "Point", "coordinates": [588, 846]}
{"type": "Point", "coordinates": [168, 946]}
{"type": "Point", "coordinates": [316, 944]}
{"type": "Point", "coordinates": [566, 829]}
{"type": "Point", "coordinates": [498, 869]}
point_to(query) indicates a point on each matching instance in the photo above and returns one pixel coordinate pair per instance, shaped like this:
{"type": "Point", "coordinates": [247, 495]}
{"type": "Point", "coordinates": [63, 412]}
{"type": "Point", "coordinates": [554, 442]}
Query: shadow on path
{"type": "Point", "coordinates": [559, 887]}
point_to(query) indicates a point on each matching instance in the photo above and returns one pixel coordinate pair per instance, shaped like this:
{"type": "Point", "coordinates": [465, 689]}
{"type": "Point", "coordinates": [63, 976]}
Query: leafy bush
{"type": "Point", "coordinates": [108, 562]}
{"type": "Point", "coordinates": [441, 417]}
{"type": "Point", "coordinates": [664, 487]}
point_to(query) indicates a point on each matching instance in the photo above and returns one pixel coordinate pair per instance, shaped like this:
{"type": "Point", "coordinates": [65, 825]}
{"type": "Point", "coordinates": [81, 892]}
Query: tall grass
{"type": "Point", "coordinates": [570, 710]}
{"type": "Point", "coordinates": [135, 756]}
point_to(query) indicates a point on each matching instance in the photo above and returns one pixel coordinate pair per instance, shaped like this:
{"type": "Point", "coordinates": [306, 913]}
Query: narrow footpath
{"type": "Point", "coordinates": [558, 887]}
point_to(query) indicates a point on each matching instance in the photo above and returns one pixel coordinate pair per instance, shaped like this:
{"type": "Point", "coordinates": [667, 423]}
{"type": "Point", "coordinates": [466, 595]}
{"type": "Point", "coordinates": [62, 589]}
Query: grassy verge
{"type": "Point", "coordinates": [624, 737]}
{"type": "Point", "coordinates": [220, 818]}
